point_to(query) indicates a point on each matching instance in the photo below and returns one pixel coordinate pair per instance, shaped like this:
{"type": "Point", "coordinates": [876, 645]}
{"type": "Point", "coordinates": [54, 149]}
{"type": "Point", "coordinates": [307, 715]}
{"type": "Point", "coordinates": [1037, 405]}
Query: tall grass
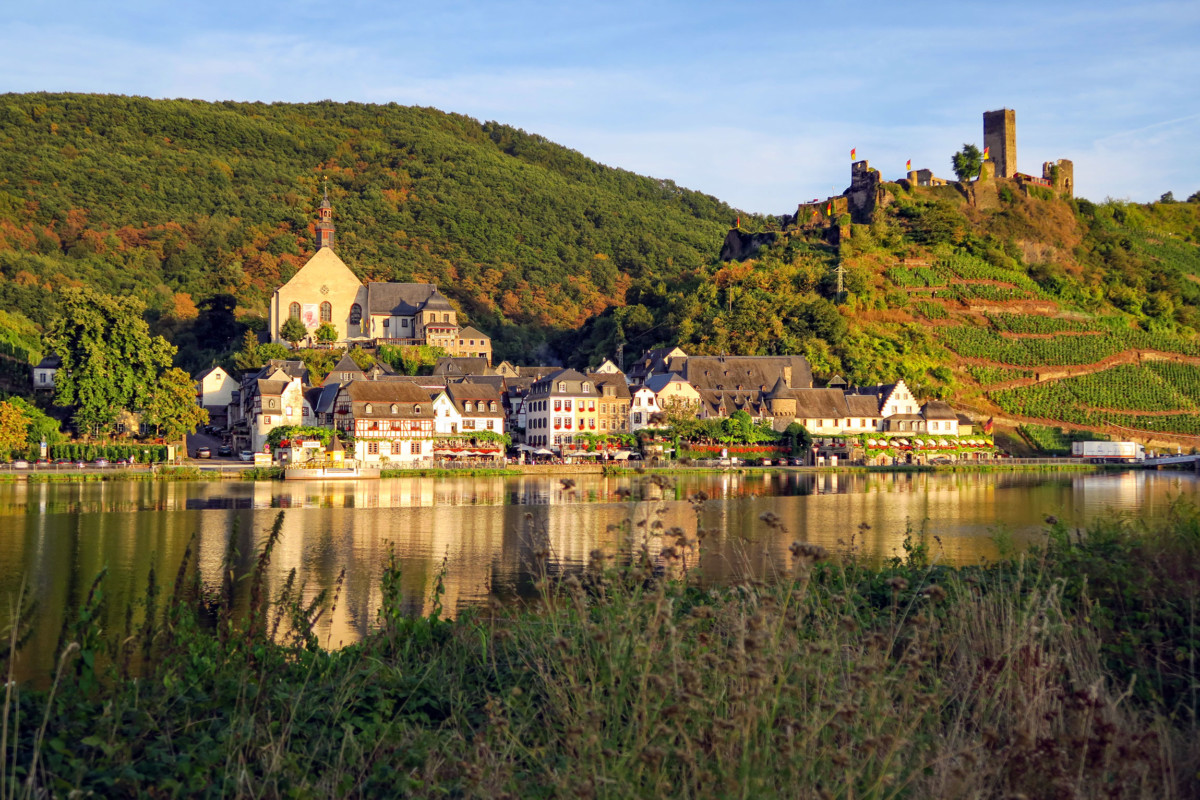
{"type": "Point", "coordinates": [1067, 672]}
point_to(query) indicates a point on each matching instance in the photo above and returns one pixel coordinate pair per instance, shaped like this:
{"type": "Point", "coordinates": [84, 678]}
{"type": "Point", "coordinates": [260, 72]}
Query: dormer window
{"type": "Point", "coordinates": [587, 387]}
{"type": "Point", "coordinates": [395, 408]}
{"type": "Point", "coordinates": [369, 409]}
{"type": "Point", "coordinates": [416, 409]}
{"type": "Point", "coordinates": [492, 406]}
{"type": "Point", "coordinates": [562, 387]}
{"type": "Point", "coordinates": [468, 407]}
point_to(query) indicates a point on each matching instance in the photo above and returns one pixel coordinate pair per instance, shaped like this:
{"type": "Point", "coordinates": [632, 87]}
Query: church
{"type": "Point", "coordinates": [325, 290]}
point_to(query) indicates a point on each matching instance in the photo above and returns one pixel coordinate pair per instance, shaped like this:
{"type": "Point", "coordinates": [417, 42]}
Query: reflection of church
{"type": "Point", "coordinates": [325, 290]}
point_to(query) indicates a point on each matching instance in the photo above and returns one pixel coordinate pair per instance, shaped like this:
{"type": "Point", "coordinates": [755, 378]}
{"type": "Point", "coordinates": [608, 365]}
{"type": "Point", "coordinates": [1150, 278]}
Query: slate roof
{"type": "Point", "coordinates": [437, 302]}
{"type": "Point", "coordinates": [462, 365]}
{"type": "Point", "coordinates": [821, 403]}
{"type": "Point", "coordinates": [936, 409]}
{"type": "Point", "coordinates": [862, 405]}
{"type": "Point", "coordinates": [656, 383]}
{"type": "Point", "coordinates": [472, 332]}
{"type": "Point", "coordinates": [749, 372]}
{"type": "Point", "coordinates": [272, 388]}
{"type": "Point", "coordinates": [399, 299]}
{"type": "Point", "coordinates": [476, 393]}
{"type": "Point", "coordinates": [325, 400]}
{"type": "Point", "coordinates": [382, 394]}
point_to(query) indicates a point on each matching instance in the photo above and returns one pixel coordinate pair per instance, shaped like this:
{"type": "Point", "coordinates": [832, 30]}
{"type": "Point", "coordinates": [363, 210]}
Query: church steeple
{"type": "Point", "coordinates": [325, 221]}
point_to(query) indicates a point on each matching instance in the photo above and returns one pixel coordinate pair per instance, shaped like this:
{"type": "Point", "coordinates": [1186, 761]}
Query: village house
{"type": "Point", "coordinates": [214, 391]}
{"type": "Point", "coordinates": [44, 372]}
{"type": "Point", "coordinates": [392, 422]}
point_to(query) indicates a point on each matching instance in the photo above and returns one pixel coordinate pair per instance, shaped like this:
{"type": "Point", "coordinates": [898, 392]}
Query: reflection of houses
{"type": "Point", "coordinates": [391, 421]}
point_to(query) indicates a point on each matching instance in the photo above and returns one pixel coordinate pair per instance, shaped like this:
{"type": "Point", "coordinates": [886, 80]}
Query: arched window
{"type": "Point", "coordinates": [369, 408]}
{"type": "Point", "coordinates": [326, 312]}
{"type": "Point", "coordinates": [395, 408]}
{"type": "Point", "coordinates": [294, 311]}
{"type": "Point", "coordinates": [271, 403]}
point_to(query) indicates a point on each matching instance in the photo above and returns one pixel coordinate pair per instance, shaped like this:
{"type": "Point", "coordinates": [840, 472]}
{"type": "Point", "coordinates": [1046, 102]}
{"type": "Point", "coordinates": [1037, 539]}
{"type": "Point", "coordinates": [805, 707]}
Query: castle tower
{"type": "Point", "coordinates": [325, 221]}
{"type": "Point", "coordinates": [1000, 140]}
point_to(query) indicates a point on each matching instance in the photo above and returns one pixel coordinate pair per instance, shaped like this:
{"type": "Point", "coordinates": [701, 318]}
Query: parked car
{"type": "Point", "coordinates": [796, 462]}
{"type": "Point", "coordinates": [20, 464]}
{"type": "Point", "coordinates": [203, 452]}
{"type": "Point", "coordinates": [100, 462]}
{"type": "Point", "coordinates": [246, 455]}
{"type": "Point", "coordinates": [224, 451]}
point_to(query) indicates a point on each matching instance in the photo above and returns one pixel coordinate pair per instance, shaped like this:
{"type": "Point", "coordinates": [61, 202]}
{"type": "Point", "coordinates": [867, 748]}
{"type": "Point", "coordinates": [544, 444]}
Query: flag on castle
{"type": "Point", "coordinates": [829, 209]}
{"type": "Point", "coordinates": [853, 150]}
{"type": "Point", "coordinates": [985, 153]}
{"type": "Point", "coordinates": [908, 165]}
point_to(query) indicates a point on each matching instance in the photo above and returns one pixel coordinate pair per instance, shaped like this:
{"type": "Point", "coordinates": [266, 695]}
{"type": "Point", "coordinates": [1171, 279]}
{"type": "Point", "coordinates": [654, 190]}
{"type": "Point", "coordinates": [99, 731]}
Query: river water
{"type": "Point", "coordinates": [483, 533]}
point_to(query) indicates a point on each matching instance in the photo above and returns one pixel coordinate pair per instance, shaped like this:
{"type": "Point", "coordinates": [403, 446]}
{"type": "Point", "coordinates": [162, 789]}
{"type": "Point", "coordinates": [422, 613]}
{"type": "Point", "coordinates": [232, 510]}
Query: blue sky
{"type": "Point", "coordinates": [756, 103]}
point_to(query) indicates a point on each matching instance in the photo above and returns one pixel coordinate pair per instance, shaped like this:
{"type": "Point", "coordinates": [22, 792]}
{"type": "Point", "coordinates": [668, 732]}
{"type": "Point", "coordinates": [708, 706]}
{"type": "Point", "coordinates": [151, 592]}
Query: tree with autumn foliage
{"type": "Point", "coordinates": [14, 430]}
{"type": "Point", "coordinates": [171, 406]}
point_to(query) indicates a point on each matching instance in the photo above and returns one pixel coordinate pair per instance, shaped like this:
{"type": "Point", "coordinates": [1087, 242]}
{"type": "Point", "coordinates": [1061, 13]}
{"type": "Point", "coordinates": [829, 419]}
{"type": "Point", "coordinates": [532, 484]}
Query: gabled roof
{"type": "Point", "coordinates": [963, 419]}
{"type": "Point", "coordinates": [656, 383]}
{"type": "Point", "coordinates": [862, 405]}
{"type": "Point", "coordinates": [272, 388]}
{"type": "Point", "coordinates": [936, 409]}
{"type": "Point", "coordinates": [472, 332]}
{"type": "Point", "coordinates": [461, 393]}
{"type": "Point", "coordinates": [54, 362]}
{"type": "Point", "coordinates": [347, 364]}
{"type": "Point", "coordinates": [201, 376]}
{"type": "Point", "coordinates": [385, 392]}
{"type": "Point", "coordinates": [749, 372]}
{"type": "Point", "coordinates": [821, 403]}
{"type": "Point", "coordinates": [325, 401]}
{"type": "Point", "coordinates": [398, 299]}
{"type": "Point", "coordinates": [612, 380]}
{"type": "Point", "coordinates": [462, 365]}
{"type": "Point", "coordinates": [326, 264]}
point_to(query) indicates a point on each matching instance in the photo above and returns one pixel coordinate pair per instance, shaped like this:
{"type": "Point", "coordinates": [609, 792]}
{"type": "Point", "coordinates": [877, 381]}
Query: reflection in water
{"type": "Point", "coordinates": [484, 532]}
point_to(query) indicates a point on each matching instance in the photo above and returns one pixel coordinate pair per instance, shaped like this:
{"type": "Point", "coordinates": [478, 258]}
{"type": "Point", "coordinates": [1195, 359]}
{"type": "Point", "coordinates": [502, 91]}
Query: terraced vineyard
{"type": "Point", "coordinates": [1129, 396]}
{"type": "Point", "coordinates": [990, 375]}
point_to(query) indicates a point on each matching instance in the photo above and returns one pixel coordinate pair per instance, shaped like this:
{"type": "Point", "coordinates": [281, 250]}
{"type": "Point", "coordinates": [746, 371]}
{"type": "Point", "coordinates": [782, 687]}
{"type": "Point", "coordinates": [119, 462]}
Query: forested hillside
{"type": "Point", "coordinates": [1038, 310]}
{"type": "Point", "coordinates": [179, 201]}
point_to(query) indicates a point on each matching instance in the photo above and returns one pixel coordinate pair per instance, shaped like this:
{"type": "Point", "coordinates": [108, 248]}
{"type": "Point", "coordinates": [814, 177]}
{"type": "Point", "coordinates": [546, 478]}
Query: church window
{"type": "Point", "coordinates": [294, 311]}
{"type": "Point", "coordinates": [355, 314]}
{"type": "Point", "coordinates": [326, 312]}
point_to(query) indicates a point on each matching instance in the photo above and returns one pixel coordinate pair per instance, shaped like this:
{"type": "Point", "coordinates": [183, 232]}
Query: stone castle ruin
{"type": "Point", "coordinates": [867, 192]}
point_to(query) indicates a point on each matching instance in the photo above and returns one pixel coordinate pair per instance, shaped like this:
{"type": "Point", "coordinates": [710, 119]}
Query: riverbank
{"type": "Point", "coordinates": [1068, 672]}
{"type": "Point", "coordinates": [251, 473]}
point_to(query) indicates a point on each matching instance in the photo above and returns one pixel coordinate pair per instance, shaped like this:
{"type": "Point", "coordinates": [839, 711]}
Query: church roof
{"type": "Point", "coordinates": [398, 299]}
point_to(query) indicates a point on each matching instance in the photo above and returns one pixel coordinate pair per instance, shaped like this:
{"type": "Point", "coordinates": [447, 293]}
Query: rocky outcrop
{"type": "Point", "coordinates": [740, 245]}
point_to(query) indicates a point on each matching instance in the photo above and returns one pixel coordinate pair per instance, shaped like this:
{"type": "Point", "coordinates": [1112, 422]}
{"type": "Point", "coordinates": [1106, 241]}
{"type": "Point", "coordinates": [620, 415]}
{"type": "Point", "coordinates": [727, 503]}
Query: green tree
{"type": "Point", "coordinates": [293, 330]}
{"type": "Point", "coordinates": [171, 406]}
{"type": "Point", "coordinates": [14, 429]}
{"type": "Point", "coordinates": [967, 162]}
{"type": "Point", "coordinates": [326, 332]}
{"type": "Point", "coordinates": [110, 361]}
{"type": "Point", "coordinates": [798, 438]}
{"type": "Point", "coordinates": [1167, 197]}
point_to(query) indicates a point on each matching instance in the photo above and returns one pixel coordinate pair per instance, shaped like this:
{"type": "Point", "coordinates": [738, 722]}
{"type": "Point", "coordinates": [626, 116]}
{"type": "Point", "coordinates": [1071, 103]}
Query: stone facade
{"type": "Point", "coordinates": [1000, 140]}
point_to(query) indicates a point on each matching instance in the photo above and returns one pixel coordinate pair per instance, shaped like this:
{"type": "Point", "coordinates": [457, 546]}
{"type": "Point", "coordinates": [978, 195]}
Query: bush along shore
{"type": "Point", "coordinates": [1067, 671]}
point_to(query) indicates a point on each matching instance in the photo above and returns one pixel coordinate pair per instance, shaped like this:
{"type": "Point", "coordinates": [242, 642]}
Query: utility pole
{"type": "Point", "coordinates": [841, 272]}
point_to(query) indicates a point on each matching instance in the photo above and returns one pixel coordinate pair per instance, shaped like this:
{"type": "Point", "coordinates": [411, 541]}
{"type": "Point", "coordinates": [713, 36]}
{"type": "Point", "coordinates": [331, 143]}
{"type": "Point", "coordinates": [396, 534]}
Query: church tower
{"type": "Point", "coordinates": [325, 221]}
